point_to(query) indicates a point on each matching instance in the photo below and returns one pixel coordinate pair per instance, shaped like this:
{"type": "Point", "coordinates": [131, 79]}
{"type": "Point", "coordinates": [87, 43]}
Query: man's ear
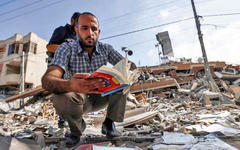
{"type": "Point", "coordinates": [76, 30]}
{"type": "Point", "coordinates": [72, 21]}
{"type": "Point", "coordinates": [99, 31]}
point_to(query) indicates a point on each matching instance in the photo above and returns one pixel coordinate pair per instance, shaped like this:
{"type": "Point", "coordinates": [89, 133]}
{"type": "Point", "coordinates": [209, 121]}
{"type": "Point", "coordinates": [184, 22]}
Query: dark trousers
{"type": "Point", "coordinates": [71, 106]}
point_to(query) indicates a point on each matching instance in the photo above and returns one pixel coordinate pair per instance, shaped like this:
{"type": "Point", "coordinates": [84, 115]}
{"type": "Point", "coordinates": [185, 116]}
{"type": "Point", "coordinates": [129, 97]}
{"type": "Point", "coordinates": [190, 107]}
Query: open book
{"type": "Point", "coordinates": [116, 78]}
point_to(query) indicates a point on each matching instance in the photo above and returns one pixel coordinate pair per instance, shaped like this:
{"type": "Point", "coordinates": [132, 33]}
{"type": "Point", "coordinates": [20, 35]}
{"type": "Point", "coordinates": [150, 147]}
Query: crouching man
{"type": "Point", "coordinates": [74, 95]}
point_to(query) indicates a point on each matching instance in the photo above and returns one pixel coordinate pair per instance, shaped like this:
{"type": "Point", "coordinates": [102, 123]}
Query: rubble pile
{"type": "Point", "coordinates": [166, 109]}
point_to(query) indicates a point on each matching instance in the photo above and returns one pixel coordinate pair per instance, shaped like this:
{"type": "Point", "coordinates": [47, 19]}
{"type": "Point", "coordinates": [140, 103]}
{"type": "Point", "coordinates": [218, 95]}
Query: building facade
{"type": "Point", "coordinates": [35, 56]}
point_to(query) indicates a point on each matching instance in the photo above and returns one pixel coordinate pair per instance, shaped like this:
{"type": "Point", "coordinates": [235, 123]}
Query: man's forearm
{"type": "Point", "coordinates": [55, 84]}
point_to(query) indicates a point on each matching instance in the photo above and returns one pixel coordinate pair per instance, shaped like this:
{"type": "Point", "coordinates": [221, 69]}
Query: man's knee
{"type": "Point", "coordinates": [75, 98]}
{"type": "Point", "coordinates": [69, 103]}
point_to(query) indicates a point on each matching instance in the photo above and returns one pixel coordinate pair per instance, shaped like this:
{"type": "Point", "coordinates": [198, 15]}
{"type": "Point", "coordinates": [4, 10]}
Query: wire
{"type": "Point", "coordinates": [129, 13]}
{"type": "Point", "coordinates": [8, 2]}
{"type": "Point", "coordinates": [145, 19]}
{"type": "Point", "coordinates": [215, 15]}
{"type": "Point", "coordinates": [141, 42]}
{"type": "Point", "coordinates": [10, 11]}
{"type": "Point", "coordinates": [139, 30]}
{"type": "Point", "coordinates": [219, 15]}
{"type": "Point", "coordinates": [219, 26]}
{"type": "Point", "coordinates": [203, 1]}
{"type": "Point", "coordinates": [26, 13]}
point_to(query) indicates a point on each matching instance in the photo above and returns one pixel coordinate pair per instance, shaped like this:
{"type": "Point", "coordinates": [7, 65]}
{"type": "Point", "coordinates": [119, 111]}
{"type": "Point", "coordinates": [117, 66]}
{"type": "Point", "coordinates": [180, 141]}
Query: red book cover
{"type": "Point", "coordinates": [111, 82]}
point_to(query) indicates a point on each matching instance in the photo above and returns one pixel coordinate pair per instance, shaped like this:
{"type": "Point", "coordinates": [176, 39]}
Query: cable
{"type": "Point", "coordinates": [173, 22]}
{"type": "Point", "coordinates": [26, 13]}
{"type": "Point", "coordinates": [126, 14]}
{"type": "Point", "coordinates": [146, 19]}
{"type": "Point", "coordinates": [10, 11]}
{"type": "Point", "coordinates": [142, 42]}
{"type": "Point", "coordinates": [220, 26]}
{"type": "Point", "coordinates": [203, 1]}
{"type": "Point", "coordinates": [218, 15]}
{"type": "Point", "coordinates": [8, 2]}
{"type": "Point", "coordinates": [215, 15]}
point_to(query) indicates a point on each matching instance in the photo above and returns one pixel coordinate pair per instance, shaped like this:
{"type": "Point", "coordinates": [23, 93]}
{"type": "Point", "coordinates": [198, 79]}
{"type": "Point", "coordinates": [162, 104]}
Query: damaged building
{"type": "Point", "coordinates": [11, 59]}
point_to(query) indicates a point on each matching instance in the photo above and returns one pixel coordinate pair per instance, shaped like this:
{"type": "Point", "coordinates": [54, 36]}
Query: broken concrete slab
{"type": "Point", "coordinates": [174, 141]}
{"type": "Point", "coordinates": [11, 143]}
{"type": "Point", "coordinates": [210, 142]}
{"type": "Point", "coordinates": [211, 95]}
{"type": "Point", "coordinates": [4, 108]}
{"type": "Point", "coordinates": [236, 82]}
{"type": "Point", "coordinates": [216, 127]}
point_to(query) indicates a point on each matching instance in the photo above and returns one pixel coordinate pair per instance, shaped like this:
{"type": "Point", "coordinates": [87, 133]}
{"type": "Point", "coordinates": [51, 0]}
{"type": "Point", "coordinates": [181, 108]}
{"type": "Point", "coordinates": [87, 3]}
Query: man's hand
{"type": "Point", "coordinates": [80, 84]}
{"type": "Point", "coordinates": [53, 82]}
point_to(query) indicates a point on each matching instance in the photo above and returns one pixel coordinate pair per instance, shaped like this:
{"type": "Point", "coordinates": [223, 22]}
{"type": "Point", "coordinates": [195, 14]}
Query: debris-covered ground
{"type": "Point", "coordinates": [168, 110]}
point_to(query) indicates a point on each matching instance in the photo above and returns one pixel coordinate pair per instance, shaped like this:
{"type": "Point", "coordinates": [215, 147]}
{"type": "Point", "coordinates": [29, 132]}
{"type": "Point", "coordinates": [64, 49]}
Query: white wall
{"type": "Point", "coordinates": [35, 64]}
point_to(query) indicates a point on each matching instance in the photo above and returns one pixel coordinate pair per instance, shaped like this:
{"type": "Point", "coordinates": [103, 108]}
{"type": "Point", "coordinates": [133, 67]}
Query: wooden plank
{"type": "Point", "coordinates": [229, 77]}
{"type": "Point", "coordinates": [138, 118]}
{"type": "Point", "coordinates": [135, 112]}
{"type": "Point", "coordinates": [129, 113]}
{"type": "Point", "coordinates": [24, 94]}
{"type": "Point", "coordinates": [165, 83]}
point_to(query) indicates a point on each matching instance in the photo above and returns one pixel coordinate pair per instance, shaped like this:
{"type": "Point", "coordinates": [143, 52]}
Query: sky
{"type": "Point", "coordinates": [220, 25]}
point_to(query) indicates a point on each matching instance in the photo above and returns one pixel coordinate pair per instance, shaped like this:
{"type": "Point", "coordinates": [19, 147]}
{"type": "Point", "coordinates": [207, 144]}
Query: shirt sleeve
{"type": "Point", "coordinates": [61, 56]}
{"type": "Point", "coordinates": [58, 36]}
{"type": "Point", "coordinates": [113, 56]}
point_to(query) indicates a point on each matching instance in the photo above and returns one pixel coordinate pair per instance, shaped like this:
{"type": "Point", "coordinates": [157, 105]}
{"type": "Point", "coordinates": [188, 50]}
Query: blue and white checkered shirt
{"type": "Point", "coordinates": [73, 59]}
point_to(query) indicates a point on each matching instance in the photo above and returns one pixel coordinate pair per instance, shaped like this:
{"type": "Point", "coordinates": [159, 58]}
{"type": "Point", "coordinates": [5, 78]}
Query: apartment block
{"type": "Point", "coordinates": [34, 60]}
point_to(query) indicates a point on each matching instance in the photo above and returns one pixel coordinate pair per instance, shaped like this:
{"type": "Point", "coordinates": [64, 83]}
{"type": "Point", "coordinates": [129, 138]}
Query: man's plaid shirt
{"type": "Point", "coordinates": [73, 59]}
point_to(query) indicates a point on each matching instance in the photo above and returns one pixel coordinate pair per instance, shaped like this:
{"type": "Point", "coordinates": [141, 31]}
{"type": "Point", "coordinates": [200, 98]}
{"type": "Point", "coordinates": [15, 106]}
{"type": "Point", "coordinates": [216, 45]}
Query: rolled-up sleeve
{"type": "Point", "coordinates": [113, 56]}
{"type": "Point", "coordinates": [61, 56]}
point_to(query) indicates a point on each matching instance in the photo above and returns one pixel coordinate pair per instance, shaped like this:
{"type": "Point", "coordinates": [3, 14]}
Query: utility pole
{"type": "Point", "coordinates": [211, 82]}
{"type": "Point", "coordinates": [22, 79]}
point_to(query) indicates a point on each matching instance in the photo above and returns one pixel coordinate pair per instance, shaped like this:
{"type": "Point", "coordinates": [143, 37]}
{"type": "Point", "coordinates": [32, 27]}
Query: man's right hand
{"type": "Point", "coordinates": [53, 82]}
{"type": "Point", "coordinates": [80, 84]}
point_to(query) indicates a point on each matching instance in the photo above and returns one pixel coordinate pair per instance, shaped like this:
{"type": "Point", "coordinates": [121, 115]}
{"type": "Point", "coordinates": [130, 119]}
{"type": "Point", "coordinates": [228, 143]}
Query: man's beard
{"type": "Point", "coordinates": [86, 45]}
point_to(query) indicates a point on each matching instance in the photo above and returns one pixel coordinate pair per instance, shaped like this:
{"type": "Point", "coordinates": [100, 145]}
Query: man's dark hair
{"type": "Point", "coordinates": [88, 13]}
{"type": "Point", "coordinates": [75, 16]}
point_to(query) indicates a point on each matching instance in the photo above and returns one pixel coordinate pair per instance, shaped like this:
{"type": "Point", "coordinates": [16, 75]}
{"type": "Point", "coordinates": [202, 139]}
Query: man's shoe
{"type": "Point", "coordinates": [61, 122]}
{"type": "Point", "coordinates": [110, 131]}
{"type": "Point", "coordinates": [83, 127]}
{"type": "Point", "coordinates": [72, 141]}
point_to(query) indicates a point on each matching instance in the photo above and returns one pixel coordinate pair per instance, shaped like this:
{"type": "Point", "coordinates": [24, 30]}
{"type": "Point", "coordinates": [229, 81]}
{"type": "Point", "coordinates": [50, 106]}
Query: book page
{"type": "Point", "coordinates": [123, 67]}
{"type": "Point", "coordinates": [113, 72]}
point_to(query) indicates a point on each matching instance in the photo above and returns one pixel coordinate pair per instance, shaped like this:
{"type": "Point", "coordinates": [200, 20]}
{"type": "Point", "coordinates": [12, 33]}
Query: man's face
{"type": "Point", "coordinates": [88, 30]}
